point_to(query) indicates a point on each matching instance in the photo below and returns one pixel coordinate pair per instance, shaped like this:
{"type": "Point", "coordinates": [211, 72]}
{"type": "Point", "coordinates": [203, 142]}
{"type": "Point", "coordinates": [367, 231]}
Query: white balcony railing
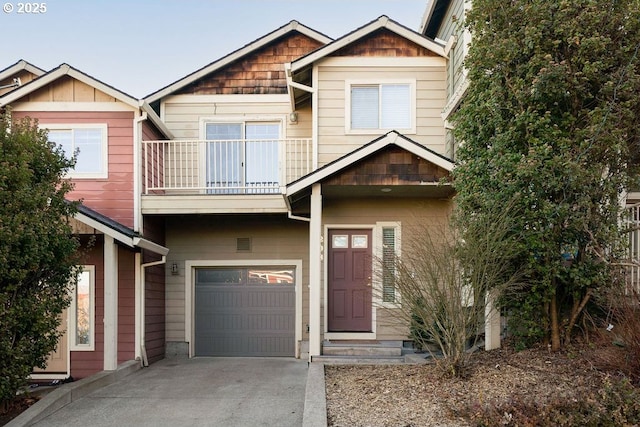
{"type": "Point", "coordinates": [223, 167]}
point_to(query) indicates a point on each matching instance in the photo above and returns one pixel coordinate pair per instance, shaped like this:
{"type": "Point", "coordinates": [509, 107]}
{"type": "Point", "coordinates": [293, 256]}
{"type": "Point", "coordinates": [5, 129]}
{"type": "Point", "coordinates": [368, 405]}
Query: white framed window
{"type": "Point", "coordinates": [88, 142]}
{"type": "Point", "coordinates": [378, 106]}
{"type": "Point", "coordinates": [82, 311]}
{"type": "Point", "coordinates": [388, 236]}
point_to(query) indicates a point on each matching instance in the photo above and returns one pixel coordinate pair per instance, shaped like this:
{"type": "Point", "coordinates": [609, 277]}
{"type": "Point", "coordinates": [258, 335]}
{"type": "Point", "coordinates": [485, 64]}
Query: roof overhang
{"type": "Point", "coordinates": [234, 56]}
{"type": "Point", "coordinates": [117, 231]}
{"type": "Point", "coordinates": [19, 66]}
{"type": "Point", "coordinates": [361, 153]}
{"type": "Point", "coordinates": [433, 16]}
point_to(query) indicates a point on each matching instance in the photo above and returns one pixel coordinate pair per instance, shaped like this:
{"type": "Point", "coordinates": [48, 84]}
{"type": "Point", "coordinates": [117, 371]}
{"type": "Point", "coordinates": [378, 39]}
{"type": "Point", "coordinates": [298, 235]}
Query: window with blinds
{"type": "Point", "coordinates": [381, 106]}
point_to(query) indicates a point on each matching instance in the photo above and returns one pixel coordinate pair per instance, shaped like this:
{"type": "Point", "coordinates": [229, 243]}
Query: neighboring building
{"type": "Point", "coordinates": [117, 312]}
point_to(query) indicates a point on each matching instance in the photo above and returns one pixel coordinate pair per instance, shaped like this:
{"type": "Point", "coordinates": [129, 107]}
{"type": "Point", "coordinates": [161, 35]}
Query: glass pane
{"type": "Point", "coordinates": [64, 138]}
{"type": "Point", "coordinates": [262, 155]}
{"type": "Point", "coordinates": [388, 264]}
{"type": "Point", "coordinates": [364, 107]}
{"type": "Point", "coordinates": [340, 241]}
{"type": "Point", "coordinates": [396, 106]}
{"type": "Point", "coordinates": [83, 309]}
{"type": "Point", "coordinates": [359, 241]}
{"type": "Point", "coordinates": [224, 159]}
{"type": "Point", "coordinates": [270, 276]}
{"type": "Point", "coordinates": [88, 142]}
{"type": "Point", "coordinates": [219, 276]}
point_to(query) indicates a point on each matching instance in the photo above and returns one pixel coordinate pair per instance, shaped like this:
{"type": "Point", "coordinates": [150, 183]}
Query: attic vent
{"type": "Point", "coordinates": [243, 244]}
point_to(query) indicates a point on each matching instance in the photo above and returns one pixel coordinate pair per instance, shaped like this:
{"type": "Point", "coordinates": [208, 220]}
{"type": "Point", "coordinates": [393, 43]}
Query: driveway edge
{"type": "Point", "coordinates": [315, 399]}
{"type": "Point", "coordinates": [69, 392]}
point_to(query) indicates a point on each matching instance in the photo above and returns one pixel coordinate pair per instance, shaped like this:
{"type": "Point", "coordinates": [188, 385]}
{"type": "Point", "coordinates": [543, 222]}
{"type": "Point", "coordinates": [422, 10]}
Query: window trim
{"type": "Point", "coordinates": [73, 326]}
{"type": "Point", "coordinates": [104, 130]}
{"type": "Point", "coordinates": [379, 82]}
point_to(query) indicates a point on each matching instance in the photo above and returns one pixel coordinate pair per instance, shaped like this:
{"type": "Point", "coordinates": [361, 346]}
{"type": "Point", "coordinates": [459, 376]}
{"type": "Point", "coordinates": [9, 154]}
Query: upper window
{"type": "Point", "coordinates": [88, 143]}
{"type": "Point", "coordinates": [381, 106]}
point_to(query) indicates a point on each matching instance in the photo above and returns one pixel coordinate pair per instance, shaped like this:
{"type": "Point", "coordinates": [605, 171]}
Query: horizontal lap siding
{"type": "Point", "coordinates": [411, 213]}
{"type": "Point", "coordinates": [112, 197]}
{"type": "Point", "coordinates": [453, 26]}
{"type": "Point", "coordinates": [126, 305]}
{"type": "Point", "coordinates": [214, 238]}
{"type": "Point", "coordinates": [430, 94]}
{"type": "Point", "coordinates": [154, 293]}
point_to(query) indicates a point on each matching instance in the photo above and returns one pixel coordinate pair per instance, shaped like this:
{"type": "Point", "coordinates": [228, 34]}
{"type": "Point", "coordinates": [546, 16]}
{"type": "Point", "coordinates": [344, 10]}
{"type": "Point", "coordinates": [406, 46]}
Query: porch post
{"type": "Point", "coordinates": [315, 269]}
{"type": "Point", "coordinates": [491, 323]}
{"type": "Point", "coordinates": [110, 304]}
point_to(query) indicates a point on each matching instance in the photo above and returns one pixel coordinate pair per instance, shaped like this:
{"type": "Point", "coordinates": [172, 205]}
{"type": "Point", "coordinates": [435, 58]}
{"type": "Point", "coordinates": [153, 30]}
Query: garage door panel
{"type": "Point", "coordinates": [243, 319]}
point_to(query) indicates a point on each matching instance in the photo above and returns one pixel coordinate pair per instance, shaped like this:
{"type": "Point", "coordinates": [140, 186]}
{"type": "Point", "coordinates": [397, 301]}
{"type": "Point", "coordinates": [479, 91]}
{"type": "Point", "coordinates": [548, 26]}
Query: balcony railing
{"type": "Point", "coordinates": [223, 167]}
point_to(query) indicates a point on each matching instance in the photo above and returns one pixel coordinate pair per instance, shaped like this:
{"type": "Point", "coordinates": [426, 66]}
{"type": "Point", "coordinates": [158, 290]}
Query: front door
{"type": "Point", "coordinates": [57, 363]}
{"type": "Point", "coordinates": [349, 288]}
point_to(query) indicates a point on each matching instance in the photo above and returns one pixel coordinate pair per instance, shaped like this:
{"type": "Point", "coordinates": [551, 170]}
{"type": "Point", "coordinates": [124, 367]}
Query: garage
{"type": "Point", "coordinates": [245, 311]}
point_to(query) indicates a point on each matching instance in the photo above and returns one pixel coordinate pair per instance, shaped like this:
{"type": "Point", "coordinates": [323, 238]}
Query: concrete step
{"type": "Point", "coordinates": [355, 348]}
{"type": "Point", "coordinates": [360, 360]}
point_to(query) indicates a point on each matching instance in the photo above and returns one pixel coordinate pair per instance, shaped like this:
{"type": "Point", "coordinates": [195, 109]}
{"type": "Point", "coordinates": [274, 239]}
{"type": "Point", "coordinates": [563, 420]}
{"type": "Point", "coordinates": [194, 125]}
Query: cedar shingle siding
{"type": "Point", "coordinates": [384, 43]}
{"type": "Point", "coordinates": [261, 72]}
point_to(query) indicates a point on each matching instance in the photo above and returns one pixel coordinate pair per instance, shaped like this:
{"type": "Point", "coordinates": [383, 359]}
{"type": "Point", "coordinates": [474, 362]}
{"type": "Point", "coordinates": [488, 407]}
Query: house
{"type": "Point", "coordinates": [117, 312]}
{"type": "Point", "coordinates": [294, 160]}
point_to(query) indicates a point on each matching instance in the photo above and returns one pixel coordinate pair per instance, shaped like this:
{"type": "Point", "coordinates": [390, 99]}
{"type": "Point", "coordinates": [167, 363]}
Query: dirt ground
{"type": "Point", "coordinates": [418, 395]}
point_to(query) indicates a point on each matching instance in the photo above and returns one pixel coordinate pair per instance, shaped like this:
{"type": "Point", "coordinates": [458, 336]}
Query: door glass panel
{"type": "Point", "coordinates": [220, 276]}
{"type": "Point", "coordinates": [262, 155]}
{"type": "Point", "coordinates": [224, 156]}
{"type": "Point", "coordinates": [359, 241]}
{"type": "Point", "coordinates": [340, 241]}
{"type": "Point", "coordinates": [270, 276]}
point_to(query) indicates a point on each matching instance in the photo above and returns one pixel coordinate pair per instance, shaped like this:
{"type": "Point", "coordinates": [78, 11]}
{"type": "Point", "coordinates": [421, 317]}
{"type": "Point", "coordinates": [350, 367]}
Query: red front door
{"type": "Point", "coordinates": [350, 261]}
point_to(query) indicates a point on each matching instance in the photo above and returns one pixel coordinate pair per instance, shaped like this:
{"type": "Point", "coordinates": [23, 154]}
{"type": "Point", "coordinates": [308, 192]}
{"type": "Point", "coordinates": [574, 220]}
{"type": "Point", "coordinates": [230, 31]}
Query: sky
{"type": "Point", "coordinates": [140, 46]}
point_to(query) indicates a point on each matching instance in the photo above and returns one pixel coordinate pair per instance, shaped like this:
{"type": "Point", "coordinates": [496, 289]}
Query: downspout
{"type": "Point", "coordinates": [141, 299]}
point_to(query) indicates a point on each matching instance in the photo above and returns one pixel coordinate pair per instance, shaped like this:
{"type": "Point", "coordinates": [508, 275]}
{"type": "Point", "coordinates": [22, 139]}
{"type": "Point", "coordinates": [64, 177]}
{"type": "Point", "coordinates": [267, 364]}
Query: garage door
{"type": "Point", "coordinates": [245, 311]}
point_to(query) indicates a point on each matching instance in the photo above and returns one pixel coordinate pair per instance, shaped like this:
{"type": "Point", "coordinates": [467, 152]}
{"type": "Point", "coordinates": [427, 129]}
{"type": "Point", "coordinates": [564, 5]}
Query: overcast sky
{"type": "Point", "coordinates": [139, 46]}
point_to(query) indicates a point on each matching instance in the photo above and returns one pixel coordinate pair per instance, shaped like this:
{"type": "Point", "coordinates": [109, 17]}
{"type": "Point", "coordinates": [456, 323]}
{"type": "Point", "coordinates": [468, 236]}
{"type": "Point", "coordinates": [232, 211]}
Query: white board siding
{"type": "Point", "coordinates": [452, 26]}
{"type": "Point", "coordinates": [214, 238]}
{"type": "Point", "coordinates": [430, 100]}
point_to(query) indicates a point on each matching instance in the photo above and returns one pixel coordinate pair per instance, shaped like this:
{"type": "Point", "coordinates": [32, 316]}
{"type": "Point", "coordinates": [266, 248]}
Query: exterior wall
{"type": "Point", "coordinates": [112, 197]}
{"type": "Point", "coordinates": [68, 89]}
{"type": "Point", "coordinates": [154, 293]}
{"type": "Point", "coordinates": [429, 74]}
{"type": "Point", "coordinates": [273, 237]}
{"type": "Point", "coordinates": [452, 26]}
{"type": "Point", "coordinates": [86, 363]}
{"type": "Point", "coordinates": [410, 213]}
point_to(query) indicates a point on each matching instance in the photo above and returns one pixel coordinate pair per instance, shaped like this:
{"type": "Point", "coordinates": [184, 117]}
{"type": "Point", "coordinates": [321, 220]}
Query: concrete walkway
{"type": "Point", "coordinates": [192, 392]}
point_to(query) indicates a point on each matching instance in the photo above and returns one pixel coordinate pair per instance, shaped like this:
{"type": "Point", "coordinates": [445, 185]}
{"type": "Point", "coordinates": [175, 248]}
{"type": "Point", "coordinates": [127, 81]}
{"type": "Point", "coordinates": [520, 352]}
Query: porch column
{"type": "Point", "coordinates": [110, 304]}
{"type": "Point", "coordinates": [491, 323]}
{"type": "Point", "coordinates": [315, 269]}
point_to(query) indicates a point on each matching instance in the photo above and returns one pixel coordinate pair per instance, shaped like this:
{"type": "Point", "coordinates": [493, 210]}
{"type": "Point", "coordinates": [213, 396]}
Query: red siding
{"type": "Point", "coordinates": [126, 305]}
{"type": "Point", "coordinates": [154, 156]}
{"type": "Point", "coordinates": [113, 196]}
{"type": "Point", "coordinates": [154, 293]}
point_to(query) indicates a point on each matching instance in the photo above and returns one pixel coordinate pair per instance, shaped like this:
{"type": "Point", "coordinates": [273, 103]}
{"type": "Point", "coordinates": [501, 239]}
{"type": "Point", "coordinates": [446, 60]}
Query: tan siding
{"type": "Point", "coordinates": [68, 89]}
{"type": "Point", "coordinates": [430, 99]}
{"type": "Point", "coordinates": [409, 212]}
{"type": "Point", "coordinates": [214, 238]}
{"type": "Point", "coordinates": [24, 76]}
{"type": "Point", "coordinates": [452, 26]}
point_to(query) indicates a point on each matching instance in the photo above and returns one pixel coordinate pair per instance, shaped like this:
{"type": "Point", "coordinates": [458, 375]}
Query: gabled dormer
{"type": "Point", "coordinates": [18, 74]}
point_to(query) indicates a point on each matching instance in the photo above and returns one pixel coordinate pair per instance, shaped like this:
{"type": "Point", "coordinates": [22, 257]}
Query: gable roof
{"type": "Point", "coordinates": [292, 26]}
{"type": "Point", "coordinates": [67, 70]}
{"type": "Point", "coordinates": [119, 232]}
{"type": "Point", "coordinates": [391, 138]}
{"type": "Point", "coordinates": [382, 22]}
{"type": "Point", "coordinates": [19, 66]}
{"type": "Point", "coordinates": [433, 16]}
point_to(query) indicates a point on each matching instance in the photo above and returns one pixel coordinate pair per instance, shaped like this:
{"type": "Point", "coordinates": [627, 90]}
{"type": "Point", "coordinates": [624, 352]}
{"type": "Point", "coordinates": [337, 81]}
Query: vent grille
{"type": "Point", "coordinates": [243, 244]}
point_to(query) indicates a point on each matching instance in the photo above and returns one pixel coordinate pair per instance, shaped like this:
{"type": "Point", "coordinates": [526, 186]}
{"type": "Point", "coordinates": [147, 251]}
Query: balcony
{"type": "Point", "coordinates": [209, 170]}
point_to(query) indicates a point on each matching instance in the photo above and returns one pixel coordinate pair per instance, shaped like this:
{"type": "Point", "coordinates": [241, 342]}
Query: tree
{"type": "Point", "coordinates": [37, 250]}
{"type": "Point", "coordinates": [550, 120]}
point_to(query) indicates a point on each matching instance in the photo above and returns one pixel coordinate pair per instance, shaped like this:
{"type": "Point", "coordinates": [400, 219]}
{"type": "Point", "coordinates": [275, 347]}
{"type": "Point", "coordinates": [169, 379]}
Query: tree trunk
{"type": "Point", "coordinates": [555, 324]}
{"type": "Point", "coordinates": [575, 313]}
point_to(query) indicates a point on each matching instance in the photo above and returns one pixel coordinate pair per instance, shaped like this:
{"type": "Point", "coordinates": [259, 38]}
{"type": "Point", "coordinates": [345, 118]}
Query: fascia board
{"type": "Point", "coordinates": [122, 238]}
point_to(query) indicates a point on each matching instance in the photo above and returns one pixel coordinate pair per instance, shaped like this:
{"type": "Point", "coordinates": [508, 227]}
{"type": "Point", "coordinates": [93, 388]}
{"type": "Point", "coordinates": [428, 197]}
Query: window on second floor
{"type": "Point", "coordinates": [381, 106]}
{"type": "Point", "coordinates": [89, 144]}
{"type": "Point", "coordinates": [242, 157]}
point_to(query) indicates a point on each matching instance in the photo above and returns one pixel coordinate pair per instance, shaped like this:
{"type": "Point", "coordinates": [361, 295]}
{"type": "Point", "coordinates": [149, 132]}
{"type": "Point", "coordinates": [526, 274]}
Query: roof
{"type": "Point", "coordinates": [292, 26]}
{"type": "Point", "coordinates": [19, 66]}
{"type": "Point", "coordinates": [433, 16]}
{"type": "Point", "coordinates": [391, 138]}
{"type": "Point", "coordinates": [67, 70]}
{"type": "Point", "coordinates": [382, 22]}
{"type": "Point", "coordinates": [119, 232]}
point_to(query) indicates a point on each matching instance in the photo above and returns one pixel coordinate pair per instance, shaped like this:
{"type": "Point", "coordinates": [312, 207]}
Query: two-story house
{"type": "Point", "coordinates": [296, 160]}
{"type": "Point", "coordinates": [117, 313]}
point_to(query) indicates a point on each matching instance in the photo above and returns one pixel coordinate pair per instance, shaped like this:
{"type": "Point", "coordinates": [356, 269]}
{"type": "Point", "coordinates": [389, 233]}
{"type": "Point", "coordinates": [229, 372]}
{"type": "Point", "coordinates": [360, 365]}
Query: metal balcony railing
{"type": "Point", "coordinates": [223, 167]}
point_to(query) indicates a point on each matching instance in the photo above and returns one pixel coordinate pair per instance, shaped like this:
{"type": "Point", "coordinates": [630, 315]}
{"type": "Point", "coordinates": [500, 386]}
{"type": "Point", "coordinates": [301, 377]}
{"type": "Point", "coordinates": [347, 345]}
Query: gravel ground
{"type": "Point", "coordinates": [417, 395]}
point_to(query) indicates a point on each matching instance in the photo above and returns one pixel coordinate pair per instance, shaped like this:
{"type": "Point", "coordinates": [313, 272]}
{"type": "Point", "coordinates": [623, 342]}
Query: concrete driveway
{"type": "Point", "coordinates": [196, 392]}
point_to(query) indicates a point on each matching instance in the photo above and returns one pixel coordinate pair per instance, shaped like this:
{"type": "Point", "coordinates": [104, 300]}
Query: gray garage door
{"type": "Point", "coordinates": [247, 311]}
